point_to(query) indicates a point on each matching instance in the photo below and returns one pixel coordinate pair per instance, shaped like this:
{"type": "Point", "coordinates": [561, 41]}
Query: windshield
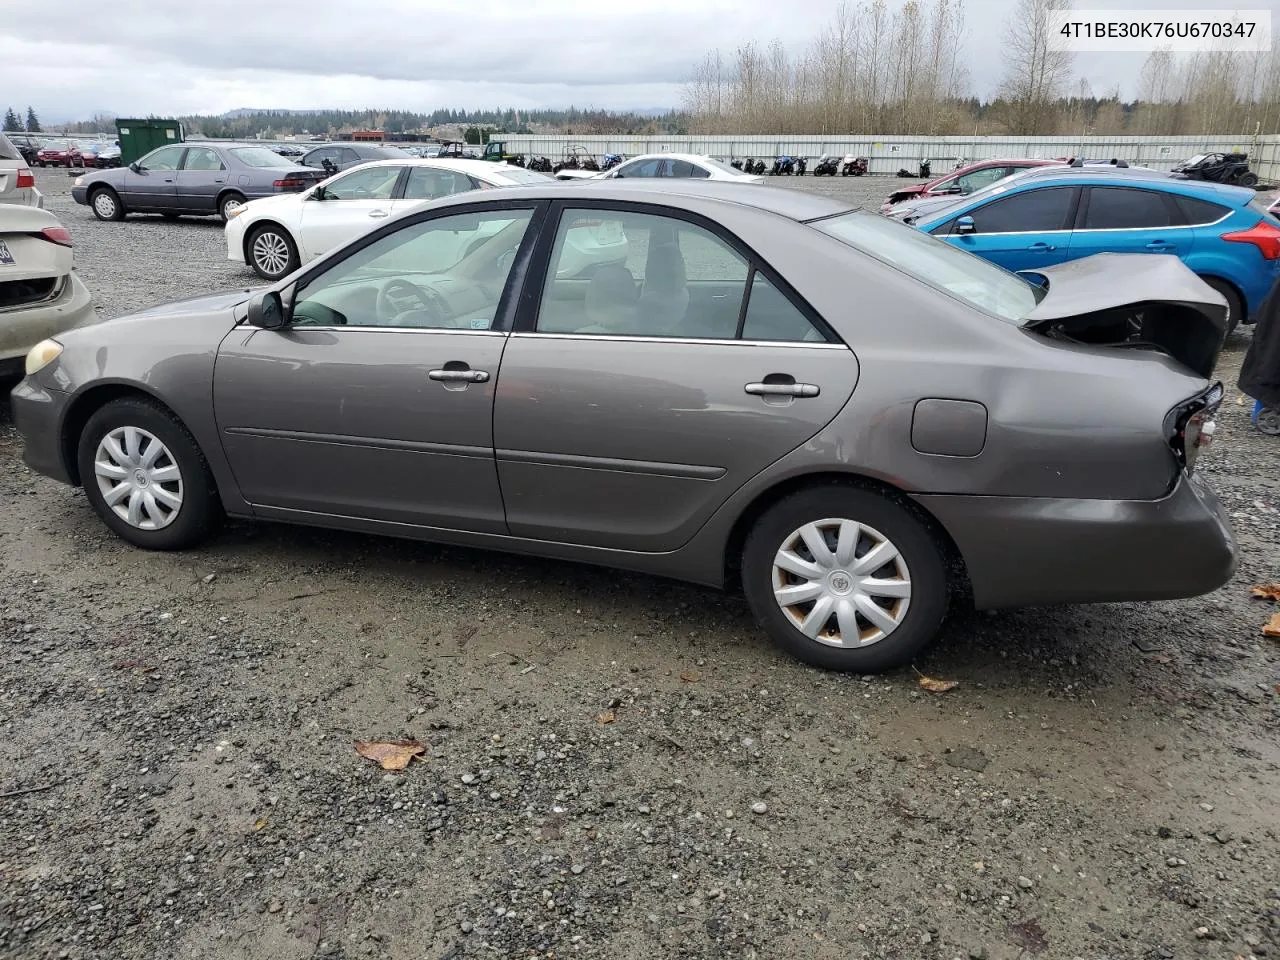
{"type": "Point", "coordinates": [1198, 158]}
{"type": "Point", "coordinates": [935, 206]}
{"type": "Point", "coordinates": [56, 144]}
{"type": "Point", "coordinates": [261, 157]}
{"type": "Point", "coordinates": [521, 175]}
{"type": "Point", "coordinates": [935, 262]}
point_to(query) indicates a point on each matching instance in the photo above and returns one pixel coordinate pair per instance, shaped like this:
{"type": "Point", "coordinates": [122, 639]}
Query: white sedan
{"type": "Point", "coordinates": [276, 235]}
{"type": "Point", "coordinates": [683, 165]}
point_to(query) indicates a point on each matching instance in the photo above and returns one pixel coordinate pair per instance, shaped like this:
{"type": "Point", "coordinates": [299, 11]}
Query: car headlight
{"type": "Point", "coordinates": [235, 212]}
{"type": "Point", "coordinates": [41, 355]}
{"type": "Point", "coordinates": [78, 182]}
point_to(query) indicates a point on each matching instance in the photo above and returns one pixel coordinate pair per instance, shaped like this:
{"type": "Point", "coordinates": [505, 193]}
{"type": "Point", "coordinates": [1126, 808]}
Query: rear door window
{"type": "Point", "coordinates": [1126, 208]}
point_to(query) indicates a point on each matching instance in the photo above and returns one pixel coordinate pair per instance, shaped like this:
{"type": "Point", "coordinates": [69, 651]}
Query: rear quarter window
{"type": "Point", "coordinates": [7, 150]}
{"type": "Point", "coordinates": [1199, 212]}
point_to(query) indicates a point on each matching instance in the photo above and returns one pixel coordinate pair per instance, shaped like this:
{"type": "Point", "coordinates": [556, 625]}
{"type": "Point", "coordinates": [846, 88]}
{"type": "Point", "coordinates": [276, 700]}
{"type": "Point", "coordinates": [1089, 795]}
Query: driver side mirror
{"type": "Point", "coordinates": [136, 167]}
{"type": "Point", "coordinates": [966, 225]}
{"type": "Point", "coordinates": [316, 194]}
{"type": "Point", "coordinates": [266, 311]}
{"type": "Point", "coordinates": [954, 188]}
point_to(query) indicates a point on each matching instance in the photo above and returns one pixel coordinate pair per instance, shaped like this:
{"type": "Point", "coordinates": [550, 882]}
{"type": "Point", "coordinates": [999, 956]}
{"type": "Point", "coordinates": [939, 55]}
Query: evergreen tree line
{"type": "Point", "coordinates": [13, 122]}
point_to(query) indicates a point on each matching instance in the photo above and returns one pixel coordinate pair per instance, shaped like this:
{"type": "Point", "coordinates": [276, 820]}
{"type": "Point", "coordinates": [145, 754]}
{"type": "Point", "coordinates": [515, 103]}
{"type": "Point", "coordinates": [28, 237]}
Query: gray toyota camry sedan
{"type": "Point", "coordinates": [853, 422]}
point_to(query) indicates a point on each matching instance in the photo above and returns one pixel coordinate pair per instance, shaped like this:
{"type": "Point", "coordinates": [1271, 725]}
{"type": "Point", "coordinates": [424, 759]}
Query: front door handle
{"type": "Point", "coordinates": [377, 213]}
{"type": "Point", "coordinates": [459, 376]}
{"type": "Point", "coordinates": [1159, 245]}
{"type": "Point", "coordinates": [1042, 247]}
{"type": "Point", "coordinates": [783, 389]}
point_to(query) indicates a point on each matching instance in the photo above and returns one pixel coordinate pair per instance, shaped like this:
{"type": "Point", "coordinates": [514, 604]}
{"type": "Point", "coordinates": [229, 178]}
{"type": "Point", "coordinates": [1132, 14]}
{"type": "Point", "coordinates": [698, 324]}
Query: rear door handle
{"type": "Point", "coordinates": [1159, 245]}
{"type": "Point", "coordinates": [783, 389]}
{"type": "Point", "coordinates": [1042, 247]}
{"type": "Point", "coordinates": [459, 376]}
{"type": "Point", "coordinates": [377, 213]}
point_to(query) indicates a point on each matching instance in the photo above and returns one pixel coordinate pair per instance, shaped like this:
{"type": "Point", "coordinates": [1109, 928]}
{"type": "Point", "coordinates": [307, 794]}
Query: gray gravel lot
{"type": "Point", "coordinates": [1102, 784]}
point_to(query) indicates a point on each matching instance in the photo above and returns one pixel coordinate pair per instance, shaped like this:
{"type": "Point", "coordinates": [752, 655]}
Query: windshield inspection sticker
{"type": "Point", "coordinates": [480, 324]}
{"type": "Point", "coordinates": [6, 258]}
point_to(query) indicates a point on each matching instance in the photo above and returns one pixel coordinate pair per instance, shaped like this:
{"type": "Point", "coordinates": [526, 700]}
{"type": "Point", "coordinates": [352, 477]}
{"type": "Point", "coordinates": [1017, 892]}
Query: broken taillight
{"type": "Point", "coordinates": [1262, 235]}
{"type": "Point", "coordinates": [1193, 425]}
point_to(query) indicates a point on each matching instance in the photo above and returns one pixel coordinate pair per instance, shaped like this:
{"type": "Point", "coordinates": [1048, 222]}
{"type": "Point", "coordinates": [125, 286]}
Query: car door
{"type": "Point", "coordinates": [316, 158]}
{"type": "Point", "coordinates": [1027, 230]}
{"type": "Point", "coordinates": [348, 158]}
{"type": "Point", "coordinates": [1129, 220]}
{"type": "Point", "coordinates": [423, 183]}
{"type": "Point", "coordinates": [345, 207]}
{"type": "Point", "coordinates": [151, 183]}
{"type": "Point", "coordinates": [375, 402]}
{"type": "Point", "coordinates": [201, 178]}
{"type": "Point", "coordinates": [633, 403]}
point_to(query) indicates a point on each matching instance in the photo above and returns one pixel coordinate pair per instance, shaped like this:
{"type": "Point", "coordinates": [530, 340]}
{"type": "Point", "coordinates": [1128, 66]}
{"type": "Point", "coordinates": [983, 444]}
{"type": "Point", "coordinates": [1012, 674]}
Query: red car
{"type": "Point", "coordinates": [963, 181]}
{"type": "Point", "coordinates": [59, 153]}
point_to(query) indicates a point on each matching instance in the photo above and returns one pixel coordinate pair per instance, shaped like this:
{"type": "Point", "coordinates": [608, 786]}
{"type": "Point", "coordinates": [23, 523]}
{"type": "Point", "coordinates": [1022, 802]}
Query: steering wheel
{"type": "Point", "coordinates": [400, 296]}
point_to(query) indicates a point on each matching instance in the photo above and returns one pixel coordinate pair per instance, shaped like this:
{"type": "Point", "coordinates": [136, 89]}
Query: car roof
{"type": "Point", "coordinates": [1103, 174]}
{"type": "Point", "coordinates": [691, 157]}
{"type": "Point", "coordinates": [792, 204]}
{"type": "Point", "coordinates": [461, 164]}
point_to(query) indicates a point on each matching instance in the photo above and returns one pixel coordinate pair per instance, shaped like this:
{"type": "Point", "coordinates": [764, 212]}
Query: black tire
{"type": "Point", "coordinates": [1235, 305]}
{"type": "Point", "coordinates": [923, 556]}
{"type": "Point", "coordinates": [266, 268]}
{"type": "Point", "coordinates": [200, 512]}
{"type": "Point", "coordinates": [1249, 179]}
{"type": "Point", "coordinates": [105, 204]}
{"type": "Point", "coordinates": [226, 201]}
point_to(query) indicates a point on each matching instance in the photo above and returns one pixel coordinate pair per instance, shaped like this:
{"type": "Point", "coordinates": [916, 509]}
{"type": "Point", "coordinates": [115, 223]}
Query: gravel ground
{"type": "Point", "coordinates": [1102, 783]}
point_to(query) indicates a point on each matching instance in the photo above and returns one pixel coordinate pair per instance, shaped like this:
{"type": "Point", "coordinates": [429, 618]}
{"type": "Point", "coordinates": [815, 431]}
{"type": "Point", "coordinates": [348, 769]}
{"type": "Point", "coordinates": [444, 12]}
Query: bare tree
{"type": "Point", "coordinates": [1034, 74]}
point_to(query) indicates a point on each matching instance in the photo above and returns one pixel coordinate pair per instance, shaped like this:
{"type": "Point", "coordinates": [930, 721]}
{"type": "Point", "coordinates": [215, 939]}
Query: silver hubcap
{"type": "Point", "coordinates": [138, 478]}
{"type": "Point", "coordinates": [230, 205]}
{"type": "Point", "coordinates": [270, 252]}
{"type": "Point", "coordinates": [841, 583]}
{"type": "Point", "coordinates": [104, 204]}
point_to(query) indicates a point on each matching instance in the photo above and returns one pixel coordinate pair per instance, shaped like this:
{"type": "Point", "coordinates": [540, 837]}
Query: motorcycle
{"type": "Point", "coordinates": [826, 166]}
{"type": "Point", "coordinates": [924, 170]}
{"type": "Point", "coordinates": [854, 166]}
{"type": "Point", "coordinates": [612, 160]}
{"type": "Point", "coordinates": [783, 166]}
{"type": "Point", "coordinates": [800, 166]}
{"type": "Point", "coordinates": [737, 164]}
{"type": "Point", "coordinates": [540, 165]}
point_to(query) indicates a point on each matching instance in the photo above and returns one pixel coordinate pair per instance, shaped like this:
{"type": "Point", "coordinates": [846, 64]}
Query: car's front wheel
{"type": "Point", "coordinates": [146, 477]}
{"type": "Point", "coordinates": [845, 578]}
{"type": "Point", "coordinates": [105, 204]}
{"type": "Point", "coordinates": [272, 252]}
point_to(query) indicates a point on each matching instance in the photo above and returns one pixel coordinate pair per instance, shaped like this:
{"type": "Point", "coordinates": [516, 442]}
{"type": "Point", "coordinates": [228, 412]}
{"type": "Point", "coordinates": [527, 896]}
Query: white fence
{"type": "Point", "coordinates": [888, 154]}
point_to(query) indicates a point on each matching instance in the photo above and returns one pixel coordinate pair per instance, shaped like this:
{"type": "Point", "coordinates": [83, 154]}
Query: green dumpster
{"type": "Point", "coordinates": [140, 137]}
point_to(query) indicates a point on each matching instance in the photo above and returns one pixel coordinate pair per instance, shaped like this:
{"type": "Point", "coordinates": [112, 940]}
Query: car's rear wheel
{"type": "Point", "coordinates": [146, 477]}
{"type": "Point", "coordinates": [272, 252]}
{"type": "Point", "coordinates": [845, 578]}
{"type": "Point", "coordinates": [229, 202]}
{"type": "Point", "coordinates": [1235, 304]}
{"type": "Point", "coordinates": [105, 204]}
{"type": "Point", "coordinates": [1249, 179]}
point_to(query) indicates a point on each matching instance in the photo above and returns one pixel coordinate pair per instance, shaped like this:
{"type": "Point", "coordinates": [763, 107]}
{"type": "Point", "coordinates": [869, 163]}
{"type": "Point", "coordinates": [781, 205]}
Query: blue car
{"type": "Point", "coordinates": [1049, 215]}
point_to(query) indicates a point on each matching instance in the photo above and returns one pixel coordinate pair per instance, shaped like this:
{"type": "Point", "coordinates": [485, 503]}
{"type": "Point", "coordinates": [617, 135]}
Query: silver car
{"type": "Point", "coordinates": [193, 179]}
{"type": "Point", "coordinates": [852, 421]}
{"type": "Point", "coordinates": [17, 182]}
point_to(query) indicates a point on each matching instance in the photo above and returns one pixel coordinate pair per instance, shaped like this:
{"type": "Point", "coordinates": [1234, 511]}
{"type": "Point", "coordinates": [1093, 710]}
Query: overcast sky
{"type": "Point", "coordinates": [71, 59]}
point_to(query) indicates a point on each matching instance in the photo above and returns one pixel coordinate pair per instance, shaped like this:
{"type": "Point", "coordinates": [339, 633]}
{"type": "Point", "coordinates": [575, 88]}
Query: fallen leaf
{"type": "Point", "coordinates": [607, 717]}
{"type": "Point", "coordinates": [259, 823]}
{"type": "Point", "coordinates": [690, 676]}
{"type": "Point", "coordinates": [1266, 591]}
{"type": "Point", "coordinates": [1272, 627]}
{"type": "Point", "coordinates": [391, 754]}
{"type": "Point", "coordinates": [934, 685]}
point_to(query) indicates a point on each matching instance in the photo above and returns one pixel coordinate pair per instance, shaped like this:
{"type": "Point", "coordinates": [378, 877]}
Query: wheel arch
{"type": "Point", "coordinates": [85, 405]}
{"type": "Point", "coordinates": [1234, 287]}
{"type": "Point", "coordinates": [957, 572]}
{"type": "Point", "coordinates": [226, 192]}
